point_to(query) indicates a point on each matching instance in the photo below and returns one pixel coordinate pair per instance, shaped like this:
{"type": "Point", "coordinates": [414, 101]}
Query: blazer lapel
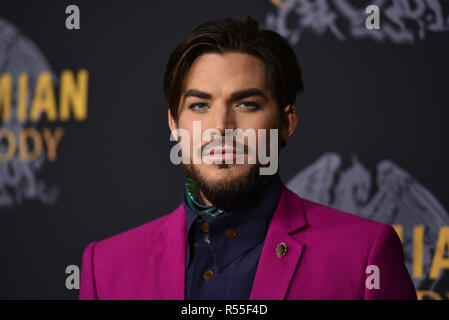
{"type": "Point", "coordinates": [170, 271]}
{"type": "Point", "coordinates": [274, 273]}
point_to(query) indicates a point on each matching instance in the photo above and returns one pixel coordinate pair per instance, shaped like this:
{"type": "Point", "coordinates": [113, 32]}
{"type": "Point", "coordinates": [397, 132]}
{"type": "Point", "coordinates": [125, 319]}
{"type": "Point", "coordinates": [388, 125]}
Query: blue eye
{"type": "Point", "coordinates": [249, 106]}
{"type": "Point", "coordinates": [198, 107]}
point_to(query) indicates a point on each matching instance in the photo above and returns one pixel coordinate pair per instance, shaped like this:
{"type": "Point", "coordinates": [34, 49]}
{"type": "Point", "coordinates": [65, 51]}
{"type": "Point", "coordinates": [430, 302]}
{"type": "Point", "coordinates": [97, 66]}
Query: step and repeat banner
{"type": "Point", "coordinates": [84, 139]}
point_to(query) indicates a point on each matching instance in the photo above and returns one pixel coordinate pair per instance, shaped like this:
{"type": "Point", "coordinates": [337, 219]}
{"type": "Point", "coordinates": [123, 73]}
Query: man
{"type": "Point", "coordinates": [240, 233]}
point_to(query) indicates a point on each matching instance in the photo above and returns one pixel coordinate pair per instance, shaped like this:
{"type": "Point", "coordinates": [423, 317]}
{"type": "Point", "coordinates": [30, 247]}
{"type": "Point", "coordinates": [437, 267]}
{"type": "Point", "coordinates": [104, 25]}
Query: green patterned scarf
{"type": "Point", "coordinates": [191, 192]}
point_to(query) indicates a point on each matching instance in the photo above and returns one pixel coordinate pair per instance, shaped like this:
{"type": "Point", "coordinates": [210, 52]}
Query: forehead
{"type": "Point", "coordinates": [224, 73]}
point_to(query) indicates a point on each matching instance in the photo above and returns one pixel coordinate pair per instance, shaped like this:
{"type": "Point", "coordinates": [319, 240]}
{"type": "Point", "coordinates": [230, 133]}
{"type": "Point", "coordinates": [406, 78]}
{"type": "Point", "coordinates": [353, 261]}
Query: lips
{"type": "Point", "coordinates": [222, 151]}
{"type": "Point", "coordinates": [220, 155]}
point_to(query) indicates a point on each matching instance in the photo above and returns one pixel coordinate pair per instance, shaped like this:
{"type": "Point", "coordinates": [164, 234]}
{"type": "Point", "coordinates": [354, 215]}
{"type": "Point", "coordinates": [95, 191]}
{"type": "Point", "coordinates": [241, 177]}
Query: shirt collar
{"type": "Point", "coordinates": [250, 221]}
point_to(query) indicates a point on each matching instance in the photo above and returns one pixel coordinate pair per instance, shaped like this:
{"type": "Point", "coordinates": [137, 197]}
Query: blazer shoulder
{"type": "Point", "coordinates": [119, 258]}
{"type": "Point", "coordinates": [319, 213]}
{"type": "Point", "coordinates": [349, 229]}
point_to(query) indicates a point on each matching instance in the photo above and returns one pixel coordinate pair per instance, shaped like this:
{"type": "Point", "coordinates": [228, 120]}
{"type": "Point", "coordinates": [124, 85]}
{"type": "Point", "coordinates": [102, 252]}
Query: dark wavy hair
{"type": "Point", "coordinates": [228, 35]}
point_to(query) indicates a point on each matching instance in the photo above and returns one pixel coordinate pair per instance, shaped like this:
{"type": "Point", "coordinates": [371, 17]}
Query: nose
{"type": "Point", "coordinates": [223, 117]}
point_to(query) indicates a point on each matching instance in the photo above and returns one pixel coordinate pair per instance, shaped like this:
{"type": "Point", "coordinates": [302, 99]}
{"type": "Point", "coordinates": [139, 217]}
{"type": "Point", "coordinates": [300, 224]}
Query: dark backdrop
{"type": "Point", "coordinates": [377, 99]}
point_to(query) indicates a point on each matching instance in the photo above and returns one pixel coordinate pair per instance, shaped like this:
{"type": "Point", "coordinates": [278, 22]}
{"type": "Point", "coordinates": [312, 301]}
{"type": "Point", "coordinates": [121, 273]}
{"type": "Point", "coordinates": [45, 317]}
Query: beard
{"type": "Point", "coordinates": [226, 195]}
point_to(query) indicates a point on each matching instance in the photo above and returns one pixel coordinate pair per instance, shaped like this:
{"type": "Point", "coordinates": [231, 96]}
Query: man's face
{"type": "Point", "coordinates": [225, 91]}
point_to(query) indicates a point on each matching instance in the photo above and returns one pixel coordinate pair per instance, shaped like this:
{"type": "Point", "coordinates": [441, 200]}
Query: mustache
{"type": "Point", "coordinates": [207, 147]}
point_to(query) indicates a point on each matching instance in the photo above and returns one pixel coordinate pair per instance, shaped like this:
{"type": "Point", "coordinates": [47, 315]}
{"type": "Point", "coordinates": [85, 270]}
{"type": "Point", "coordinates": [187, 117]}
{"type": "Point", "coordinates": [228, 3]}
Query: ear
{"type": "Point", "coordinates": [171, 122]}
{"type": "Point", "coordinates": [289, 118]}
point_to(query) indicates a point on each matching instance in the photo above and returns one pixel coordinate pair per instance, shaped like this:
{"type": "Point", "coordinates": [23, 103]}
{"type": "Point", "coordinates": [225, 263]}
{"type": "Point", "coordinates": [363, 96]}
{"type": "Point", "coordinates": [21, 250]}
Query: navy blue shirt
{"type": "Point", "coordinates": [223, 251]}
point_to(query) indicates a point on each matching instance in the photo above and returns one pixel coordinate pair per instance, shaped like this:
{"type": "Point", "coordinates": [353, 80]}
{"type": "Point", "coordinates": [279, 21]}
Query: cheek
{"type": "Point", "coordinates": [185, 123]}
{"type": "Point", "coordinates": [270, 125]}
{"type": "Point", "coordinates": [186, 128]}
{"type": "Point", "coordinates": [262, 120]}
{"type": "Point", "coordinates": [274, 118]}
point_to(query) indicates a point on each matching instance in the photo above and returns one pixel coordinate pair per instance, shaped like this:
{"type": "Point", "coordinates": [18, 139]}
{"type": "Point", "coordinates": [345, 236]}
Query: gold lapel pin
{"type": "Point", "coordinates": [281, 249]}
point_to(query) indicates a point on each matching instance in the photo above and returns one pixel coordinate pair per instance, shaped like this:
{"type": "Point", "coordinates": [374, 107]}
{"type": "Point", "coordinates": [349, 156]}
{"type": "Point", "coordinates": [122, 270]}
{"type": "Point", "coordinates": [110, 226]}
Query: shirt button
{"type": "Point", "coordinates": [204, 227]}
{"type": "Point", "coordinates": [208, 274]}
{"type": "Point", "coordinates": [231, 233]}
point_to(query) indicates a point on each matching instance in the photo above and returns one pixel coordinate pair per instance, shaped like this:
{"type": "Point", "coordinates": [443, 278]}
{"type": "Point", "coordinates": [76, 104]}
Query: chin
{"type": "Point", "coordinates": [225, 186]}
{"type": "Point", "coordinates": [223, 173]}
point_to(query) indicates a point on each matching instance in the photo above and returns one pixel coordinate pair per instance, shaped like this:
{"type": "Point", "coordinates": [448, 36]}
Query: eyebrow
{"type": "Point", "coordinates": [237, 95]}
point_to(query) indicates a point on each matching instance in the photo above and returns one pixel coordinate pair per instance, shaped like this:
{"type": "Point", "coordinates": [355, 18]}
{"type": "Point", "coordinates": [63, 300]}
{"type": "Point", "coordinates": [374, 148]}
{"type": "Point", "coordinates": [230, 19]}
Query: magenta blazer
{"type": "Point", "coordinates": [328, 252]}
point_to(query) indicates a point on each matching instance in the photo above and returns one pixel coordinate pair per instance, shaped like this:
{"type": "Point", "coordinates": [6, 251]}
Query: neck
{"type": "Point", "coordinates": [202, 198]}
